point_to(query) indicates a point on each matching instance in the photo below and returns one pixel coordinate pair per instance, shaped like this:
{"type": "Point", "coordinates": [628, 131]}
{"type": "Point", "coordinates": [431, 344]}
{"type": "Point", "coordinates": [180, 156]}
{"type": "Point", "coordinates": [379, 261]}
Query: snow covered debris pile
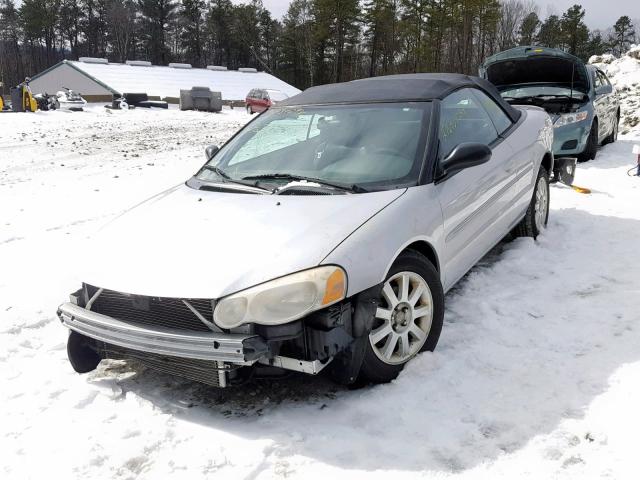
{"type": "Point", "coordinates": [604, 58]}
{"type": "Point", "coordinates": [624, 73]}
{"type": "Point", "coordinates": [634, 52]}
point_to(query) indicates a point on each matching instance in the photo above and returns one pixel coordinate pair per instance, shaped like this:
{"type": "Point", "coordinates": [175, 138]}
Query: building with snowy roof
{"type": "Point", "coordinates": [97, 79]}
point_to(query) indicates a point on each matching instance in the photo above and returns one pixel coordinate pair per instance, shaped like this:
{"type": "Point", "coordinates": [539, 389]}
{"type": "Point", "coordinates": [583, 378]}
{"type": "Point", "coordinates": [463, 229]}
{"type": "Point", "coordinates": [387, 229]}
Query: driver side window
{"type": "Point", "coordinates": [462, 120]}
{"type": "Point", "coordinates": [598, 79]}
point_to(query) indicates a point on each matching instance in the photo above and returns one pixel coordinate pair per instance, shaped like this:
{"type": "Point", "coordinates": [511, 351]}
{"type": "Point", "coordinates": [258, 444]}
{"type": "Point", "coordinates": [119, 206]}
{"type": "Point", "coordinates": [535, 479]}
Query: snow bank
{"type": "Point", "coordinates": [624, 73]}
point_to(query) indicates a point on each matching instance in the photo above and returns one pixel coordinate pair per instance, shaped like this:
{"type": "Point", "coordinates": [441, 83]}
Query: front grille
{"type": "Point", "coordinates": [153, 311]}
{"type": "Point", "coordinates": [202, 371]}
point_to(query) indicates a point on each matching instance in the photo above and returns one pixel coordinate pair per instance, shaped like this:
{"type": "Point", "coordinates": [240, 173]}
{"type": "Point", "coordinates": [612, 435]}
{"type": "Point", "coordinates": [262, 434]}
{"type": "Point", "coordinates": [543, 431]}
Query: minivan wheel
{"type": "Point", "coordinates": [535, 220]}
{"type": "Point", "coordinates": [408, 319]}
{"type": "Point", "coordinates": [591, 149]}
{"type": "Point", "coordinates": [249, 110]}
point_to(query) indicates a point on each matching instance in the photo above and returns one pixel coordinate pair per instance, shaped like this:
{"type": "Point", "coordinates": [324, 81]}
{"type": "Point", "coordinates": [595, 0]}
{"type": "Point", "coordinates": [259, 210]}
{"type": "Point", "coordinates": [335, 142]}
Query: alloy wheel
{"type": "Point", "coordinates": [403, 318]}
{"type": "Point", "coordinates": [541, 204]}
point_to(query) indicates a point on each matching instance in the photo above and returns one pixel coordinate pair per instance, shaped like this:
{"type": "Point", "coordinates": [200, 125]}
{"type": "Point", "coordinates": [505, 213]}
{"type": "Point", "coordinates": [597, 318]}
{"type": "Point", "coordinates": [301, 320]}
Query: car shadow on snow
{"type": "Point", "coordinates": [614, 155]}
{"type": "Point", "coordinates": [532, 335]}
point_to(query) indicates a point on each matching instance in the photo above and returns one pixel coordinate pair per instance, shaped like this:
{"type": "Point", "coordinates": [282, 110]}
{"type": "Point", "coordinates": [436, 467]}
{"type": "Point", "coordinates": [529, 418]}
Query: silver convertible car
{"type": "Point", "coordinates": [323, 235]}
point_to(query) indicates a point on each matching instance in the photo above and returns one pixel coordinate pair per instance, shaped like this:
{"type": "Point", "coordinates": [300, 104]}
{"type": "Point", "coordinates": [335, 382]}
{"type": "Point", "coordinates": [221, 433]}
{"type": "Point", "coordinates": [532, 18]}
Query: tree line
{"type": "Point", "coordinates": [317, 41]}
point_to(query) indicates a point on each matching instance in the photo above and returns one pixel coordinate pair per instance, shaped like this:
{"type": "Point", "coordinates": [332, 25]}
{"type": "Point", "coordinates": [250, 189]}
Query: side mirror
{"type": "Point", "coordinates": [464, 156]}
{"type": "Point", "coordinates": [211, 151]}
{"type": "Point", "coordinates": [604, 90]}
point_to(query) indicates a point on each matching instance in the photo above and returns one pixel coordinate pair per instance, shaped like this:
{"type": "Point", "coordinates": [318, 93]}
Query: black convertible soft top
{"type": "Point", "coordinates": [412, 87]}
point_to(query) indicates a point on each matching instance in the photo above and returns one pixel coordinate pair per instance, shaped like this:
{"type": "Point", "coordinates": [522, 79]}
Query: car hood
{"type": "Point", "coordinates": [535, 66]}
{"type": "Point", "coordinates": [195, 244]}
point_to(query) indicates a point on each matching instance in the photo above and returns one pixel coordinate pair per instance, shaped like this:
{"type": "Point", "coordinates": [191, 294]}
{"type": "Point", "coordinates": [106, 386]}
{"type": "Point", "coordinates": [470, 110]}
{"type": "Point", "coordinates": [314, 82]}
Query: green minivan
{"type": "Point", "coordinates": [579, 98]}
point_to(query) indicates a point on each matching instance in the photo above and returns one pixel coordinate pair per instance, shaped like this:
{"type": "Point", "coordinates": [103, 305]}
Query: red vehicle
{"type": "Point", "coordinates": [260, 99]}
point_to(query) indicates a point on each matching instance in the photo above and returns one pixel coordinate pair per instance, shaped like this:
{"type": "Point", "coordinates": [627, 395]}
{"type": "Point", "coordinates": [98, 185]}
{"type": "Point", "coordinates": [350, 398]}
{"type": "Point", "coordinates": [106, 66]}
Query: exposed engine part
{"type": "Point", "coordinates": [210, 373]}
{"type": "Point", "coordinates": [311, 367]}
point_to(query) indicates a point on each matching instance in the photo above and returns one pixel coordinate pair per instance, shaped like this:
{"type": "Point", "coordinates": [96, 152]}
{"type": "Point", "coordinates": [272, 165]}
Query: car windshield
{"type": "Point", "coordinates": [277, 95]}
{"type": "Point", "coordinates": [370, 145]}
{"type": "Point", "coordinates": [523, 91]}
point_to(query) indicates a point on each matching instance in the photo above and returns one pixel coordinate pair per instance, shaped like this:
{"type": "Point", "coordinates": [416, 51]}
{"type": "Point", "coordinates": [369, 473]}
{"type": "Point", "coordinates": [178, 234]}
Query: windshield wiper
{"type": "Point", "coordinates": [218, 170]}
{"type": "Point", "coordinates": [287, 176]}
{"type": "Point", "coordinates": [227, 178]}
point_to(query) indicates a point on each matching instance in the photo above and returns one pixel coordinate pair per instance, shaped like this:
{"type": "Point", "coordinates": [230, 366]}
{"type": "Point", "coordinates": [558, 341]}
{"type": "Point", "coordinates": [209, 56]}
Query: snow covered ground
{"type": "Point", "coordinates": [536, 374]}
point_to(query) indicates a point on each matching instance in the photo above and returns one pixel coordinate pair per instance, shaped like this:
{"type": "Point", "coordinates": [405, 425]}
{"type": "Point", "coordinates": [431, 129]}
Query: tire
{"type": "Point", "coordinates": [591, 150]}
{"type": "Point", "coordinates": [82, 357]}
{"type": "Point", "coordinates": [396, 328]}
{"type": "Point", "coordinates": [249, 110]}
{"type": "Point", "coordinates": [535, 220]}
{"type": "Point", "coordinates": [613, 136]}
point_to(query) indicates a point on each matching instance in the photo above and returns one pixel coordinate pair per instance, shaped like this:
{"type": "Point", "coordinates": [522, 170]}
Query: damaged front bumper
{"type": "Point", "coordinates": [220, 347]}
{"type": "Point", "coordinates": [214, 358]}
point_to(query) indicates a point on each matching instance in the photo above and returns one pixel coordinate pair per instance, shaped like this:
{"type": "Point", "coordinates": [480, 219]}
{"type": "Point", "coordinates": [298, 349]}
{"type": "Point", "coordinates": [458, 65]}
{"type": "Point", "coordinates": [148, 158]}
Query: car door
{"type": "Point", "coordinates": [602, 104]}
{"type": "Point", "coordinates": [474, 200]}
{"type": "Point", "coordinates": [263, 100]}
{"type": "Point", "coordinates": [611, 103]}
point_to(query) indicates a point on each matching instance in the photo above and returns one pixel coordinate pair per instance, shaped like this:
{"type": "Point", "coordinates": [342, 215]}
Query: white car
{"type": "Point", "coordinates": [324, 234]}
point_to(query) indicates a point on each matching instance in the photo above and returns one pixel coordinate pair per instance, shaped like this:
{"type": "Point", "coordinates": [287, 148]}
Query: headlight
{"type": "Point", "coordinates": [569, 118]}
{"type": "Point", "coordinates": [284, 299]}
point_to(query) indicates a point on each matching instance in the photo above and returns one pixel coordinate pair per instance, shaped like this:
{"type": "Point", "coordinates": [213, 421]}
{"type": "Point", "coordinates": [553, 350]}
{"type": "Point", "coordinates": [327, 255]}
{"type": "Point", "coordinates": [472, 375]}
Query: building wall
{"type": "Point", "coordinates": [66, 76]}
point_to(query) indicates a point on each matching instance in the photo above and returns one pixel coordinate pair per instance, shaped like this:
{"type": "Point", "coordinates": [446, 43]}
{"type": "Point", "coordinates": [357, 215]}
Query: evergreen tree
{"type": "Point", "coordinates": [574, 32]}
{"type": "Point", "coordinates": [191, 15]}
{"type": "Point", "coordinates": [623, 35]}
{"type": "Point", "coordinates": [337, 25]}
{"type": "Point", "coordinates": [550, 34]}
{"type": "Point", "coordinates": [121, 21]}
{"type": "Point", "coordinates": [218, 25]}
{"type": "Point", "coordinates": [298, 44]}
{"type": "Point", "coordinates": [156, 18]}
{"type": "Point", "coordinates": [529, 29]}
{"type": "Point", "coordinates": [11, 59]}
{"type": "Point", "coordinates": [596, 45]}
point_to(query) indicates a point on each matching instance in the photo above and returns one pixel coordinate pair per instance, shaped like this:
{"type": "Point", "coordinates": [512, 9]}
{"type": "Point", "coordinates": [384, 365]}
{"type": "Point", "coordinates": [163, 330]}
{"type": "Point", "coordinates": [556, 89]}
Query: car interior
{"type": "Point", "coordinates": [364, 145]}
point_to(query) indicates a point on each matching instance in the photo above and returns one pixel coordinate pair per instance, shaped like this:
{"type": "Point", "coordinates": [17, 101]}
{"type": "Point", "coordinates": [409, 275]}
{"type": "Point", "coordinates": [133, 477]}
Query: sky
{"type": "Point", "coordinates": [600, 13]}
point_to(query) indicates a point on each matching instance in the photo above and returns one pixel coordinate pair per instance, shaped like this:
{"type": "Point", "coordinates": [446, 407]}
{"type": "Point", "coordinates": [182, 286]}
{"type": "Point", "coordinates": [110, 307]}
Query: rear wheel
{"type": "Point", "coordinates": [535, 220]}
{"type": "Point", "coordinates": [408, 319]}
{"type": "Point", "coordinates": [591, 149]}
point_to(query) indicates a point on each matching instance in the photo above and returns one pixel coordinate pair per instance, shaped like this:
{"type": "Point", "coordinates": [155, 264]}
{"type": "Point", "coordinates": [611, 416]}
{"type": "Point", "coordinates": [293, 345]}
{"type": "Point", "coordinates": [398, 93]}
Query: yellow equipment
{"type": "Point", "coordinates": [580, 189]}
{"type": "Point", "coordinates": [1, 103]}
{"type": "Point", "coordinates": [29, 103]}
{"type": "Point", "coordinates": [22, 99]}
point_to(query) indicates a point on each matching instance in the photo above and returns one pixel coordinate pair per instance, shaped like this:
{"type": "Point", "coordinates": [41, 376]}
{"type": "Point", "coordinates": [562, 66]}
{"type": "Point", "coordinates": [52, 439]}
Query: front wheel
{"type": "Point", "coordinates": [249, 110]}
{"type": "Point", "coordinates": [408, 319]}
{"type": "Point", "coordinates": [535, 220]}
{"type": "Point", "coordinates": [591, 150]}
